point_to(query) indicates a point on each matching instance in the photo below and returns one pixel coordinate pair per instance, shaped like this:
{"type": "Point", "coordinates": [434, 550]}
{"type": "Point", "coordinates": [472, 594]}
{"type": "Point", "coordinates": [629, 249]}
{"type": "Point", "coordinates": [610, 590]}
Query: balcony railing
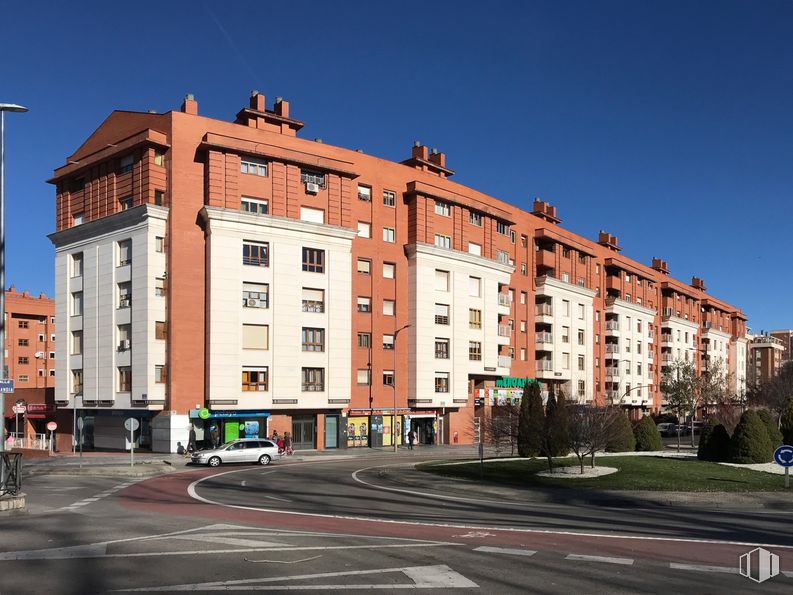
{"type": "Point", "coordinates": [543, 337]}
{"type": "Point", "coordinates": [612, 371]}
{"type": "Point", "coordinates": [666, 338]}
{"type": "Point", "coordinates": [543, 310]}
{"type": "Point", "coordinates": [441, 319]}
{"type": "Point", "coordinates": [612, 395]}
{"type": "Point", "coordinates": [504, 330]}
{"type": "Point", "coordinates": [313, 388]}
{"type": "Point", "coordinates": [612, 325]}
{"type": "Point", "coordinates": [504, 300]}
{"type": "Point", "coordinates": [612, 348]}
{"type": "Point", "coordinates": [544, 365]}
{"type": "Point", "coordinates": [504, 361]}
{"type": "Point", "coordinates": [667, 357]}
{"type": "Point", "coordinates": [650, 355]}
{"type": "Point", "coordinates": [313, 306]}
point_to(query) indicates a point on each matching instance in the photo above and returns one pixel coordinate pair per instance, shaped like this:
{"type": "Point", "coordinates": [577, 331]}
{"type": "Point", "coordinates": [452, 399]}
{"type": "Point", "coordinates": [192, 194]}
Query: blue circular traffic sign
{"type": "Point", "coordinates": [784, 455]}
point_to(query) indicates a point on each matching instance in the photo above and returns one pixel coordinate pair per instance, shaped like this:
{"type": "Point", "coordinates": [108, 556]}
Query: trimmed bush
{"type": "Point", "coordinates": [648, 438]}
{"type": "Point", "coordinates": [787, 422]}
{"type": "Point", "coordinates": [714, 443]}
{"type": "Point", "coordinates": [532, 420]}
{"type": "Point", "coordinates": [621, 439]}
{"type": "Point", "coordinates": [556, 433]}
{"type": "Point", "coordinates": [750, 442]}
{"type": "Point", "coordinates": [774, 435]}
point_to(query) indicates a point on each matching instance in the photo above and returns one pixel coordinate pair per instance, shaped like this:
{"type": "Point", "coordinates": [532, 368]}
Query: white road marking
{"type": "Point", "coordinates": [703, 568]}
{"type": "Point", "coordinates": [191, 490]}
{"type": "Point", "coordinates": [504, 550]}
{"type": "Point", "coordinates": [243, 482]}
{"type": "Point", "coordinates": [606, 559]}
{"type": "Point", "coordinates": [423, 577]}
{"type": "Point", "coordinates": [283, 561]}
{"type": "Point", "coordinates": [232, 541]}
{"type": "Point", "coordinates": [476, 534]}
{"type": "Point", "coordinates": [96, 497]}
{"type": "Point", "coordinates": [275, 498]}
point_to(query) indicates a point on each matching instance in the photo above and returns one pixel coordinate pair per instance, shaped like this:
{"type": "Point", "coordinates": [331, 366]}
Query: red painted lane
{"type": "Point", "coordinates": [168, 495]}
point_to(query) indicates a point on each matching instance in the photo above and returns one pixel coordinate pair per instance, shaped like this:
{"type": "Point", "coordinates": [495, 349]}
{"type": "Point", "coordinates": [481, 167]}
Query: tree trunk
{"type": "Point", "coordinates": [592, 461]}
{"type": "Point", "coordinates": [581, 462]}
{"type": "Point", "coordinates": [550, 464]}
{"type": "Point", "coordinates": [678, 439]}
{"type": "Point", "coordinates": [692, 430]}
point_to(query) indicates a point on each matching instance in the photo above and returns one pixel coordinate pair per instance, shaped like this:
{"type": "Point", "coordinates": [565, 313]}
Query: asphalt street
{"type": "Point", "coordinates": [364, 525]}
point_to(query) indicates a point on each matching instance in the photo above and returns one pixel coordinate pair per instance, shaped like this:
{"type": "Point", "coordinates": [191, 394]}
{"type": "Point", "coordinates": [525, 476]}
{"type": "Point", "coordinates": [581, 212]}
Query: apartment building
{"type": "Point", "coordinates": [233, 277]}
{"type": "Point", "coordinates": [786, 336]}
{"type": "Point", "coordinates": [30, 339]}
{"type": "Point", "coordinates": [765, 357]}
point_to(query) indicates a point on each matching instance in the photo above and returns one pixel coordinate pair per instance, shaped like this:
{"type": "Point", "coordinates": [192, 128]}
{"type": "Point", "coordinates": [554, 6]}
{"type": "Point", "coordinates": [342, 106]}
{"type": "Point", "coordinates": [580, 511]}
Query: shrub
{"type": "Point", "coordinates": [714, 443]}
{"type": "Point", "coordinates": [750, 442]}
{"type": "Point", "coordinates": [555, 434]}
{"type": "Point", "coordinates": [532, 418]}
{"type": "Point", "coordinates": [774, 435]}
{"type": "Point", "coordinates": [648, 438]}
{"type": "Point", "coordinates": [787, 422]}
{"type": "Point", "coordinates": [621, 439]}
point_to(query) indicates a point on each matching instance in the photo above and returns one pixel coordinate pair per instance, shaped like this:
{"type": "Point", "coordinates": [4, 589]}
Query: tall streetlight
{"type": "Point", "coordinates": [393, 387]}
{"type": "Point", "coordinates": [4, 107]}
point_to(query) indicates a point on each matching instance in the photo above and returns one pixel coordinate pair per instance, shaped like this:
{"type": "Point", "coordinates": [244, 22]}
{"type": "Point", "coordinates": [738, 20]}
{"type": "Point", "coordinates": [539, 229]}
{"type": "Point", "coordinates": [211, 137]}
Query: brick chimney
{"type": "Point", "coordinates": [257, 101]}
{"type": "Point", "coordinates": [438, 158]}
{"type": "Point", "coordinates": [545, 211]}
{"type": "Point", "coordinates": [697, 283]}
{"type": "Point", "coordinates": [609, 241]}
{"type": "Point", "coordinates": [190, 105]}
{"type": "Point", "coordinates": [420, 151]}
{"type": "Point", "coordinates": [660, 266]}
{"type": "Point", "coordinates": [282, 107]}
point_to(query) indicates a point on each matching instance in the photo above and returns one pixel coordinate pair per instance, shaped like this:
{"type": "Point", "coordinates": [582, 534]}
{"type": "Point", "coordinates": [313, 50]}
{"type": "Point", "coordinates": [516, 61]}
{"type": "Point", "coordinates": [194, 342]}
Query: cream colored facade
{"type": "Point", "coordinates": [633, 335]}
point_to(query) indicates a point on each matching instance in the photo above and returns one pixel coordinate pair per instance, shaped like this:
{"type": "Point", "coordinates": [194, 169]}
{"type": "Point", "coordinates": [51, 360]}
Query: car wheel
{"type": "Point", "coordinates": [264, 460]}
{"type": "Point", "coordinates": [214, 462]}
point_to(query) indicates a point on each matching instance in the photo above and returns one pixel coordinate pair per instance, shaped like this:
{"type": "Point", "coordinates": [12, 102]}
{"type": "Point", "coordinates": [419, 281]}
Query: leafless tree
{"type": "Point", "coordinates": [500, 429]}
{"type": "Point", "coordinates": [590, 430]}
{"type": "Point", "coordinates": [775, 392]}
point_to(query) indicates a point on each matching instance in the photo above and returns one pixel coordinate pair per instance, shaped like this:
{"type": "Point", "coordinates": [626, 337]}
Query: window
{"type": "Point", "coordinates": [124, 252]}
{"type": "Point", "coordinates": [502, 257]}
{"type": "Point", "coordinates": [388, 307]}
{"type": "Point", "coordinates": [580, 336]}
{"type": "Point", "coordinates": [254, 206]}
{"type": "Point", "coordinates": [474, 286]}
{"type": "Point", "coordinates": [522, 326]}
{"type": "Point", "coordinates": [255, 336]}
{"type": "Point", "coordinates": [441, 382]}
{"type": "Point", "coordinates": [441, 280]}
{"type": "Point", "coordinates": [364, 193]}
{"type": "Point", "coordinates": [475, 249]}
{"type": "Point", "coordinates": [580, 282]}
{"type": "Point", "coordinates": [474, 318]}
{"type": "Point", "coordinates": [565, 252]}
{"type": "Point", "coordinates": [581, 258]}
{"type": "Point", "coordinates": [474, 351]}
{"type": "Point", "coordinates": [566, 307]}
{"type": "Point", "coordinates": [363, 376]}
{"type": "Point", "coordinates": [581, 388]}
{"type": "Point", "coordinates": [638, 346]}
{"type": "Point", "coordinates": [253, 167]}
{"type": "Point", "coordinates": [389, 270]}
{"type": "Point", "coordinates": [389, 198]}
{"type": "Point", "coordinates": [638, 326]}
{"type": "Point", "coordinates": [388, 342]}
{"type": "Point", "coordinates": [22, 324]}
{"type": "Point", "coordinates": [125, 295]}
{"type": "Point", "coordinates": [389, 235]}
{"type": "Point", "coordinates": [581, 312]}
{"type": "Point", "coordinates": [160, 330]}
{"type": "Point", "coordinates": [364, 304]}
{"type": "Point", "coordinates": [160, 374]}
{"type": "Point", "coordinates": [313, 260]}
{"type": "Point", "coordinates": [22, 361]}
{"type": "Point", "coordinates": [312, 215]}
{"type": "Point", "coordinates": [443, 208]}
{"type": "Point", "coordinates": [125, 379]}
{"type": "Point", "coordinates": [475, 218]}
{"type": "Point", "coordinates": [125, 164]}
{"type": "Point", "coordinates": [364, 230]}
{"type": "Point", "coordinates": [512, 236]}
{"type": "Point", "coordinates": [627, 345]}
{"type": "Point", "coordinates": [23, 378]}
{"type": "Point", "coordinates": [255, 295]}
{"type": "Point", "coordinates": [313, 339]}
{"type": "Point", "coordinates": [41, 372]}
{"type": "Point", "coordinates": [441, 348]}
{"type": "Point", "coordinates": [124, 337]}
{"type": "Point", "coordinates": [524, 241]}
{"type": "Point", "coordinates": [313, 300]}
{"type": "Point", "coordinates": [77, 305]}
{"type": "Point", "coordinates": [639, 368]}
{"type": "Point", "coordinates": [77, 264]}
{"type": "Point", "coordinates": [77, 382]}
{"type": "Point", "coordinates": [364, 266]}
{"type": "Point", "coordinates": [76, 185]}
{"type": "Point", "coordinates": [159, 244]}
{"type": "Point", "coordinates": [42, 338]}
{"type": "Point", "coordinates": [159, 287]}
{"type": "Point", "coordinates": [22, 342]}
{"type": "Point", "coordinates": [441, 314]}
{"type": "Point", "coordinates": [313, 379]}
{"type": "Point", "coordinates": [364, 340]}
{"type": "Point", "coordinates": [565, 361]}
{"type": "Point", "coordinates": [522, 354]}
{"type": "Point", "coordinates": [159, 157]}
{"type": "Point", "coordinates": [502, 228]}
{"type": "Point", "coordinates": [565, 334]}
{"type": "Point", "coordinates": [255, 379]}
{"type": "Point", "coordinates": [388, 377]}
{"type": "Point", "coordinates": [523, 296]}
{"type": "Point", "coordinates": [566, 277]}
{"type": "Point", "coordinates": [312, 177]}
{"type": "Point", "coordinates": [581, 364]}
{"type": "Point", "coordinates": [442, 241]}
{"type": "Point", "coordinates": [77, 343]}
{"type": "Point", "coordinates": [159, 197]}
{"type": "Point", "coordinates": [77, 219]}
{"type": "Point", "coordinates": [126, 203]}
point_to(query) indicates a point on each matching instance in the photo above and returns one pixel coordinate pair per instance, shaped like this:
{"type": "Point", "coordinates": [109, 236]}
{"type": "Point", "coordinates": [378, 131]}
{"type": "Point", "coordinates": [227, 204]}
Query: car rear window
{"type": "Point", "coordinates": [267, 444]}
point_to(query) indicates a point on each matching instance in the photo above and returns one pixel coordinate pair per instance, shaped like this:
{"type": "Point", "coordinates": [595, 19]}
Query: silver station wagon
{"type": "Point", "coordinates": [244, 450]}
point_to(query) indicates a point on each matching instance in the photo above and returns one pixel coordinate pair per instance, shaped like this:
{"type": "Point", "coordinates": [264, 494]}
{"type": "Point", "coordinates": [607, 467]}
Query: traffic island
{"type": "Point", "coordinates": [8, 502]}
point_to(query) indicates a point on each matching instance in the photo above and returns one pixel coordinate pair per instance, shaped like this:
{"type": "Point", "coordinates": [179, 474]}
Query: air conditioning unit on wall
{"type": "Point", "coordinates": [252, 303]}
{"type": "Point", "coordinates": [312, 188]}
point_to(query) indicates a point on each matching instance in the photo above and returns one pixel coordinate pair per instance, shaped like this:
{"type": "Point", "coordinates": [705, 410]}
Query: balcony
{"type": "Point", "coordinates": [543, 337]}
{"type": "Point", "coordinates": [650, 354]}
{"type": "Point", "coordinates": [612, 372]}
{"type": "Point", "coordinates": [504, 361]}
{"type": "Point", "coordinates": [313, 306]}
{"type": "Point", "coordinates": [612, 395]}
{"type": "Point", "coordinates": [612, 348]}
{"type": "Point", "coordinates": [313, 388]}
{"type": "Point", "coordinates": [544, 365]}
{"type": "Point", "coordinates": [667, 358]}
{"type": "Point", "coordinates": [504, 300]}
{"type": "Point", "coordinates": [612, 325]}
{"type": "Point", "coordinates": [545, 259]}
{"type": "Point", "coordinates": [543, 310]}
{"type": "Point", "coordinates": [666, 339]}
{"type": "Point", "coordinates": [504, 330]}
{"type": "Point", "coordinates": [613, 282]}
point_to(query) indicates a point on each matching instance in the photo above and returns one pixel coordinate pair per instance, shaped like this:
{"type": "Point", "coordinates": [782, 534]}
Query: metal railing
{"type": "Point", "coordinates": [544, 365]}
{"type": "Point", "coordinates": [504, 330]}
{"type": "Point", "coordinates": [612, 325]}
{"type": "Point", "coordinates": [504, 300]}
{"type": "Point", "coordinates": [504, 361]}
{"type": "Point", "coordinates": [10, 473]}
{"type": "Point", "coordinates": [313, 306]}
{"type": "Point", "coordinates": [543, 310]}
{"type": "Point", "coordinates": [543, 337]}
{"type": "Point", "coordinates": [612, 348]}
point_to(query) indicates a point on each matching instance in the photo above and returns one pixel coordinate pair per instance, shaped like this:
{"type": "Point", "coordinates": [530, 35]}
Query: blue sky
{"type": "Point", "coordinates": [669, 124]}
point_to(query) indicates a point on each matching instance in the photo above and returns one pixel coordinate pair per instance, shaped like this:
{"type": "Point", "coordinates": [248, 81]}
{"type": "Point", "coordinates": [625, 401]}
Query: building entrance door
{"type": "Point", "coordinates": [331, 431]}
{"type": "Point", "coordinates": [303, 432]}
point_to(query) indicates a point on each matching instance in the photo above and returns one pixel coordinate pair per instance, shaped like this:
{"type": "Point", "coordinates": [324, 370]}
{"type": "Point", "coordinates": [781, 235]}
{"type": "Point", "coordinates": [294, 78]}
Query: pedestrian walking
{"type": "Point", "coordinates": [410, 440]}
{"type": "Point", "coordinates": [275, 436]}
{"type": "Point", "coordinates": [288, 443]}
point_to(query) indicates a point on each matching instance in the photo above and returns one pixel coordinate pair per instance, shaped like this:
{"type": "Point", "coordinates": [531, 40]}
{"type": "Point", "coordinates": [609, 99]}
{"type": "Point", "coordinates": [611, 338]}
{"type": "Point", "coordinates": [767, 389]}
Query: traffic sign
{"type": "Point", "coordinates": [784, 455]}
{"type": "Point", "coordinates": [80, 423]}
{"type": "Point", "coordinates": [19, 409]}
{"type": "Point", "coordinates": [6, 385]}
{"type": "Point", "coordinates": [52, 426]}
{"type": "Point", "coordinates": [131, 424]}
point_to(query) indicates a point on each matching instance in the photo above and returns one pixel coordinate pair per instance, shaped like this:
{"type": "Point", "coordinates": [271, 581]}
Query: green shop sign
{"type": "Point", "coordinates": [513, 382]}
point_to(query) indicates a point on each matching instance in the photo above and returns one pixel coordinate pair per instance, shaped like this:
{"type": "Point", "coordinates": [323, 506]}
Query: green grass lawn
{"type": "Point", "coordinates": [635, 473]}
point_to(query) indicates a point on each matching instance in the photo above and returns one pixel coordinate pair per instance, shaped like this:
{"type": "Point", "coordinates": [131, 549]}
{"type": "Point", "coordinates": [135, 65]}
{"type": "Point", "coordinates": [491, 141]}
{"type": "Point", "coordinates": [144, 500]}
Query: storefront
{"type": "Point", "coordinates": [424, 424]}
{"type": "Point", "coordinates": [373, 428]}
{"type": "Point", "coordinates": [215, 427]}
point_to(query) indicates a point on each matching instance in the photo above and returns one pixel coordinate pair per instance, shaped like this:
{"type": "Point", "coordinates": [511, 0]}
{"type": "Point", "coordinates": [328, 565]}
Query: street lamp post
{"type": "Point", "coordinates": [393, 387]}
{"type": "Point", "coordinates": [4, 107]}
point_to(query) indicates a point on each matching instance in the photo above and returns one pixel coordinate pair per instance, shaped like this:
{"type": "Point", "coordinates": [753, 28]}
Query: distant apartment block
{"type": "Point", "coordinates": [30, 339]}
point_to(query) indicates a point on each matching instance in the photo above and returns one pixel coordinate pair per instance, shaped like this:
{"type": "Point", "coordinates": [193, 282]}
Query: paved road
{"type": "Point", "coordinates": [322, 526]}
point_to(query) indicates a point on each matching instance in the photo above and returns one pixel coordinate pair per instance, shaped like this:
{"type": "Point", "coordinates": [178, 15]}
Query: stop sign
{"type": "Point", "coordinates": [52, 426]}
